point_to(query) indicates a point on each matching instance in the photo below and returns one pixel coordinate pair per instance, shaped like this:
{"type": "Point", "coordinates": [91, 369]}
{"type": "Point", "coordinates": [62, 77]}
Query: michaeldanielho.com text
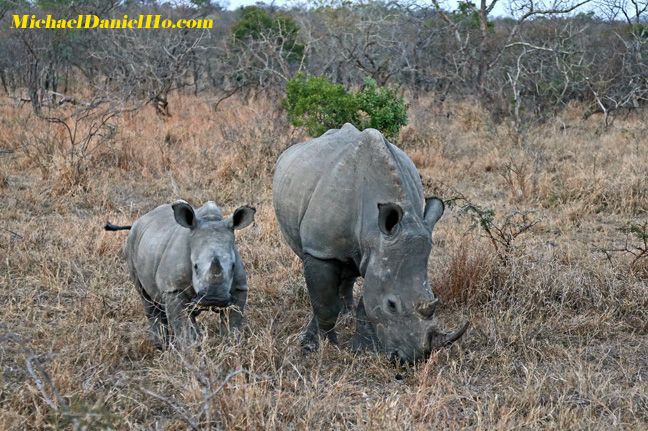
{"type": "Point", "coordinates": [93, 21]}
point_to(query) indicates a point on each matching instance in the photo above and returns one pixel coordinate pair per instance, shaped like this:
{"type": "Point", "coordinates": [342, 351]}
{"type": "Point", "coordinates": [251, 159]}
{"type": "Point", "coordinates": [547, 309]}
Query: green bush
{"type": "Point", "coordinates": [318, 104]}
{"type": "Point", "coordinates": [384, 109]}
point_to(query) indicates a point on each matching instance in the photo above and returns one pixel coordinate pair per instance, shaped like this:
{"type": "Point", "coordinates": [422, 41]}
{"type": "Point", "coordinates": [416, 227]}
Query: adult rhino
{"type": "Point", "coordinates": [351, 204]}
{"type": "Point", "coordinates": [183, 261]}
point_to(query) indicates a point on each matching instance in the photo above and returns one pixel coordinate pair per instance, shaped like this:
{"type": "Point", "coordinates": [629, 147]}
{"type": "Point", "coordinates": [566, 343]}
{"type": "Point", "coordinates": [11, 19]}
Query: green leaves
{"type": "Point", "coordinates": [386, 111]}
{"type": "Point", "coordinates": [318, 104]}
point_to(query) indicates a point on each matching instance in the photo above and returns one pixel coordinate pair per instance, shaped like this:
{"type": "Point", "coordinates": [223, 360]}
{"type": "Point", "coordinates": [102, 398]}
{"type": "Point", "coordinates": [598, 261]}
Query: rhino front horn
{"type": "Point", "coordinates": [426, 308]}
{"type": "Point", "coordinates": [440, 339]}
{"type": "Point", "coordinates": [216, 267]}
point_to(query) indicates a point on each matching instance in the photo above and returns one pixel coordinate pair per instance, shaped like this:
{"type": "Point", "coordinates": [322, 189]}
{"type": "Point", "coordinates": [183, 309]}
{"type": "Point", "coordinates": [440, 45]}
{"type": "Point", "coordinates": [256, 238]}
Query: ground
{"type": "Point", "coordinates": [558, 335]}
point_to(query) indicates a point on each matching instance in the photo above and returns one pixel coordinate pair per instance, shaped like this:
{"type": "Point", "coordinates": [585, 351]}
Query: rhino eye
{"type": "Point", "coordinates": [391, 306]}
{"type": "Point", "coordinates": [195, 266]}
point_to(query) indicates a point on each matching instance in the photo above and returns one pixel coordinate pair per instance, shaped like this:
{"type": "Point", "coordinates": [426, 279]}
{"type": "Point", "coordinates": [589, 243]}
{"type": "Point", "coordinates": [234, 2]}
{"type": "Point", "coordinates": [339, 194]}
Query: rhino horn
{"type": "Point", "coordinates": [440, 339]}
{"type": "Point", "coordinates": [426, 308]}
{"type": "Point", "coordinates": [216, 268]}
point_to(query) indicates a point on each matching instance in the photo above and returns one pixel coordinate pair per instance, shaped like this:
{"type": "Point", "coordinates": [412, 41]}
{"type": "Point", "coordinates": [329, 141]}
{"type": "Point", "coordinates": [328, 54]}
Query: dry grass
{"type": "Point", "coordinates": [558, 337]}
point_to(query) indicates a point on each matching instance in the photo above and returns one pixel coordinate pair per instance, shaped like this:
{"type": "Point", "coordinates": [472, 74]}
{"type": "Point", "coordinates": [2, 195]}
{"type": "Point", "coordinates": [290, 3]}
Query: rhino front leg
{"type": "Point", "coordinates": [232, 319]}
{"type": "Point", "coordinates": [322, 281]}
{"type": "Point", "coordinates": [239, 294]}
{"type": "Point", "coordinates": [346, 294]}
{"type": "Point", "coordinates": [181, 320]}
{"type": "Point", "coordinates": [365, 336]}
{"type": "Point", "coordinates": [158, 325]}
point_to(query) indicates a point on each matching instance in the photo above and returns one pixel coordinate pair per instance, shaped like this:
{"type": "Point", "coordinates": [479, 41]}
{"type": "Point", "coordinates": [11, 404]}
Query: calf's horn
{"type": "Point", "coordinates": [216, 267]}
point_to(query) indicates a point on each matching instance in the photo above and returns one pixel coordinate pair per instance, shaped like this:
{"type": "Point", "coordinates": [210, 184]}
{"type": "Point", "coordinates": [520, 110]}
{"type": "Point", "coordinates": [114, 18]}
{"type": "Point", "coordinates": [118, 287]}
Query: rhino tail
{"type": "Point", "coordinates": [112, 227]}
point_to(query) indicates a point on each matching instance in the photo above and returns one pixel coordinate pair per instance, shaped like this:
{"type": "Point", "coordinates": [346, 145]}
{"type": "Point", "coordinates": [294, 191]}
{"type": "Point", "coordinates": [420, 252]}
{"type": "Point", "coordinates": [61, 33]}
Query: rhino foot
{"type": "Point", "coordinates": [231, 321]}
{"type": "Point", "coordinates": [310, 340]}
{"type": "Point", "coordinates": [365, 336]}
{"type": "Point", "coordinates": [309, 344]}
{"type": "Point", "coordinates": [159, 341]}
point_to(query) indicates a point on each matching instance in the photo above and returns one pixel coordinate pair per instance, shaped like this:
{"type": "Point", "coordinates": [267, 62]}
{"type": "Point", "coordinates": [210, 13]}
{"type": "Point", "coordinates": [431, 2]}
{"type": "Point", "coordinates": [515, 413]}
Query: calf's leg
{"type": "Point", "coordinates": [158, 325]}
{"type": "Point", "coordinates": [181, 320]}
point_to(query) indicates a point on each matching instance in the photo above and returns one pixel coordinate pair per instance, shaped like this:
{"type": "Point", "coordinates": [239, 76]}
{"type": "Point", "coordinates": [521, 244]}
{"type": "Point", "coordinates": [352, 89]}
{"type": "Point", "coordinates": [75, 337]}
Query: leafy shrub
{"type": "Point", "coordinates": [318, 104]}
{"type": "Point", "coordinates": [385, 110]}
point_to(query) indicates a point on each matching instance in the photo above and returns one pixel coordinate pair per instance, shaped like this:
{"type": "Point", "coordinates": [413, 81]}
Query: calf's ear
{"type": "Point", "coordinates": [242, 217]}
{"type": "Point", "coordinates": [434, 208]}
{"type": "Point", "coordinates": [184, 214]}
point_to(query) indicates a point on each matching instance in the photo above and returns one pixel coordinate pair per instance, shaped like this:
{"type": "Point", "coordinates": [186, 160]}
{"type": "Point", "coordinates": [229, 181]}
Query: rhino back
{"type": "Point", "coordinates": [158, 252]}
{"type": "Point", "coordinates": [326, 191]}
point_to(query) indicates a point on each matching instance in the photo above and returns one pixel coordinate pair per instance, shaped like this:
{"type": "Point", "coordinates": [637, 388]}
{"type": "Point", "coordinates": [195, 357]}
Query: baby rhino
{"type": "Point", "coordinates": [183, 261]}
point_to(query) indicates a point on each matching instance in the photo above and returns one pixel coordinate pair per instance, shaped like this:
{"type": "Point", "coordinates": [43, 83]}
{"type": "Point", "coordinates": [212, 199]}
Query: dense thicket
{"type": "Point", "coordinates": [526, 66]}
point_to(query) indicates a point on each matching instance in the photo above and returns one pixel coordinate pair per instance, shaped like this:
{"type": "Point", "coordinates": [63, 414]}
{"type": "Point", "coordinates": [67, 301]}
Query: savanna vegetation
{"type": "Point", "coordinates": [532, 128]}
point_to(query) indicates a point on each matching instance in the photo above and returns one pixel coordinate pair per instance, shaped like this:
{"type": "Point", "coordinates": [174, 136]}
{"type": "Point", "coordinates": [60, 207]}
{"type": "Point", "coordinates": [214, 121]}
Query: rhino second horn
{"type": "Point", "coordinates": [441, 339]}
{"type": "Point", "coordinates": [426, 308]}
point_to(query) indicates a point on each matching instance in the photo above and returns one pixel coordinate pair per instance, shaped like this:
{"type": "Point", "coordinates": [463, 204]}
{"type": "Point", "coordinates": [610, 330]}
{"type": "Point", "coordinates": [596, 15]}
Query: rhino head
{"type": "Point", "coordinates": [398, 301]}
{"type": "Point", "coordinates": [212, 252]}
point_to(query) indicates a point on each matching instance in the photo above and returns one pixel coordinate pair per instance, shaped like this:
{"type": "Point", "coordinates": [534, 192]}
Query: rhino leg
{"type": "Point", "coordinates": [346, 294]}
{"type": "Point", "coordinates": [322, 281]}
{"type": "Point", "coordinates": [182, 322]}
{"type": "Point", "coordinates": [365, 336]}
{"type": "Point", "coordinates": [158, 325]}
{"type": "Point", "coordinates": [235, 313]}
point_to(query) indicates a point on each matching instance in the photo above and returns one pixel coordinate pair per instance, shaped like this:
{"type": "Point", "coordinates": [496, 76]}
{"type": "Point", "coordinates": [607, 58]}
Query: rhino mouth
{"type": "Point", "coordinates": [208, 302]}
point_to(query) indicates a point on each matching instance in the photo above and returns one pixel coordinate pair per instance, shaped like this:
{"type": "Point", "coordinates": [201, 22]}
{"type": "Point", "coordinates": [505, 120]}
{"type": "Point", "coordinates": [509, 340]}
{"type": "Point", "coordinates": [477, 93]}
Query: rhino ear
{"type": "Point", "coordinates": [389, 216]}
{"type": "Point", "coordinates": [184, 214]}
{"type": "Point", "coordinates": [434, 208]}
{"type": "Point", "coordinates": [242, 217]}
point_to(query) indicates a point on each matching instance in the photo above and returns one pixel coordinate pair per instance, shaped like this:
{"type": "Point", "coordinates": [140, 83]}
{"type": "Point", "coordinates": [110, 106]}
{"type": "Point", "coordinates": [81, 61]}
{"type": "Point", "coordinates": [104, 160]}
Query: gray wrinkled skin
{"type": "Point", "coordinates": [183, 261]}
{"type": "Point", "coordinates": [351, 204]}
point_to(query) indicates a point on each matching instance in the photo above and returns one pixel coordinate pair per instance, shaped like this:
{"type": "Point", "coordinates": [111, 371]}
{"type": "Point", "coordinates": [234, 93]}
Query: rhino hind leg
{"type": "Point", "coordinates": [322, 281]}
{"type": "Point", "coordinates": [158, 324]}
{"type": "Point", "coordinates": [346, 294]}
